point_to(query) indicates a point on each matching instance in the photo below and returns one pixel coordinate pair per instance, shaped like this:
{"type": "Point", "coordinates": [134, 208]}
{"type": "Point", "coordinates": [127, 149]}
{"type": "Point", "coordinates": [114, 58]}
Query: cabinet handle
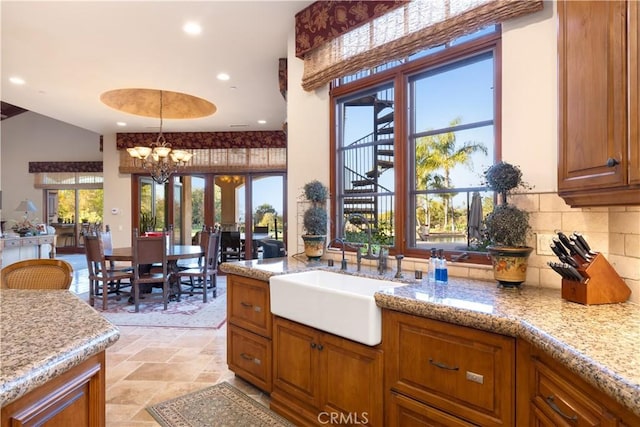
{"type": "Point", "coordinates": [246, 304]}
{"type": "Point", "coordinates": [313, 345]}
{"type": "Point", "coordinates": [443, 366]}
{"type": "Point", "coordinates": [555, 407]}
{"type": "Point", "coordinates": [320, 347]}
{"type": "Point", "coordinates": [611, 162]}
{"type": "Point", "coordinates": [246, 356]}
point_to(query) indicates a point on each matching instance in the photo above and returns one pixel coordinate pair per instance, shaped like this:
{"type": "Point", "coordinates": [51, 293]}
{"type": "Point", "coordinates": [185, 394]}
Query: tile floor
{"type": "Point", "coordinates": [150, 365]}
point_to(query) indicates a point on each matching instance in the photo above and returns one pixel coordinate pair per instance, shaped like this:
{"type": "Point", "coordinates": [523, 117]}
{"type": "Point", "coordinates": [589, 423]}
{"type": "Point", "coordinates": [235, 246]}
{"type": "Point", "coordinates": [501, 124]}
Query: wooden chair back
{"type": "Point", "coordinates": [94, 251]}
{"type": "Point", "coordinates": [37, 274]}
{"type": "Point", "coordinates": [212, 252]}
{"type": "Point", "coordinates": [149, 250]}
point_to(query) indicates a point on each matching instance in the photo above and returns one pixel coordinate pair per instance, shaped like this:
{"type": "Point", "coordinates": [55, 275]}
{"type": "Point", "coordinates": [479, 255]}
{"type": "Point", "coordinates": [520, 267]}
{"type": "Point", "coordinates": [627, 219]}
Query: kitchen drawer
{"type": "Point", "coordinates": [46, 239]}
{"type": "Point", "coordinates": [12, 243]}
{"type": "Point", "coordinates": [406, 412]}
{"type": "Point", "coordinates": [30, 241]}
{"type": "Point", "coordinates": [565, 404]}
{"type": "Point", "coordinates": [459, 370]}
{"type": "Point", "coordinates": [248, 305]}
{"type": "Point", "coordinates": [249, 356]}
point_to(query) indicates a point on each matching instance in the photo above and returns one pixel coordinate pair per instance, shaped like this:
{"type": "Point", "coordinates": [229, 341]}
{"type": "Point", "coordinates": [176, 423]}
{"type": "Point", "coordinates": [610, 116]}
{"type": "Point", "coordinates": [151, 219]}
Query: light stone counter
{"type": "Point", "coordinates": [599, 343]}
{"type": "Point", "coordinates": [44, 334]}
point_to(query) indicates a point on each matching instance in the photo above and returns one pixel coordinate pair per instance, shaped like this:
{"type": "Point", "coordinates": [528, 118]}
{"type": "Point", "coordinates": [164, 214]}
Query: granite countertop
{"type": "Point", "coordinates": [44, 333]}
{"type": "Point", "coordinates": [598, 342]}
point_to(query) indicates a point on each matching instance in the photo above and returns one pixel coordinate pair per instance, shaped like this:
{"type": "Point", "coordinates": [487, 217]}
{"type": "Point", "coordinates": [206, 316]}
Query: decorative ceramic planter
{"type": "Point", "coordinates": [509, 264]}
{"type": "Point", "coordinates": [313, 246]}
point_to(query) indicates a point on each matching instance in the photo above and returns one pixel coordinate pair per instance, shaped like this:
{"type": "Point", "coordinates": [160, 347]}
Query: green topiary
{"type": "Point", "coordinates": [315, 217]}
{"type": "Point", "coordinates": [507, 226]}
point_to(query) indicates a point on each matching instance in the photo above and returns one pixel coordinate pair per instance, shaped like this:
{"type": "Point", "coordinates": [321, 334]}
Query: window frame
{"type": "Point", "coordinates": [400, 76]}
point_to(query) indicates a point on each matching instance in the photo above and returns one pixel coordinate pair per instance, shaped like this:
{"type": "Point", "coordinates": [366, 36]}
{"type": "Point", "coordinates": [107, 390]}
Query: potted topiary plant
{"type": "Point", "coordinates": [315, 219]}
{"type": "Point", "coordinates": [507, 227]}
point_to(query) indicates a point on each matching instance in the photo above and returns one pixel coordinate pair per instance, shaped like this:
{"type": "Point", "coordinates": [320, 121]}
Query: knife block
{"type": "Point", "coordinates": [603, 285]}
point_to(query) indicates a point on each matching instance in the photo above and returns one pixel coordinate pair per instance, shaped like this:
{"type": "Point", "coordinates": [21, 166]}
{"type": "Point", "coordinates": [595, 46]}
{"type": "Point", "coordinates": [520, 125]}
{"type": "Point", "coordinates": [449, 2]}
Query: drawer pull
{"type": "Point", "coordinates": [246, 356]}
{"type": "Point", "coordinates": [555, 407]}
{"type": "Point", "coordinates": [443, 365]}
{"type": "Point", "coordinates": [246, 304]}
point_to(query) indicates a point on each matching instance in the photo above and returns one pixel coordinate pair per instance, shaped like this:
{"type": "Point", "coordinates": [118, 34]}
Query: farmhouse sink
{"type": "Point", "coordinates": [333, 302]}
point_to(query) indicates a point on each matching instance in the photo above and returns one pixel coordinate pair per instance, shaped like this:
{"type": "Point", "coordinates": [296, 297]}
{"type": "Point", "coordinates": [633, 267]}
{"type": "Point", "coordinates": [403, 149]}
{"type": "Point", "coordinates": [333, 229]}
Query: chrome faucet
{"type": "Point", "coordinates": [380, 257]}
{"type": "Point", "coordinates": [343, 263]}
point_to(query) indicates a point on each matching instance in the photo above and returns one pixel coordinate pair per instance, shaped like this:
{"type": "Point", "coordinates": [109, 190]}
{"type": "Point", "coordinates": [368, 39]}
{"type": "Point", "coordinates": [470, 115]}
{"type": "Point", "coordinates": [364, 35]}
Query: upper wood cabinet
{"type": "Point", "coordinates": [598, 103]}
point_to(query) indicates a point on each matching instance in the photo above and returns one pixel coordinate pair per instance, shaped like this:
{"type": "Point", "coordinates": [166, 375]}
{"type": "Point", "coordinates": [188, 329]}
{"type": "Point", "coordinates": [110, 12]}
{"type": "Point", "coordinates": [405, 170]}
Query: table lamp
{"type": "Point", "coordinates": [26, 206]}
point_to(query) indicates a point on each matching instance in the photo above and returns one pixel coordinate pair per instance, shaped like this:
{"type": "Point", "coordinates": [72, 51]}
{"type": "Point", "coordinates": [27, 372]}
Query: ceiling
{"type": "Point", "coordinates": [70, 52]}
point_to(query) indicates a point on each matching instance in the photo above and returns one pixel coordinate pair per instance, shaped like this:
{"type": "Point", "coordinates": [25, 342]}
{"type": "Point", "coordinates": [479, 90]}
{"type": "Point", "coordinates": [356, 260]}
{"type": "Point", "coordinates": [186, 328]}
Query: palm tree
{"type": "Point", "coordinates": [440, 152]}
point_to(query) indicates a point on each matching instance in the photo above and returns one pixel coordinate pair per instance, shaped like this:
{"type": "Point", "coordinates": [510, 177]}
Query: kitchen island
{"type": "Point", "coordinates": [597, 344]}
{"type": "Point", "coordinates": [52, 358]}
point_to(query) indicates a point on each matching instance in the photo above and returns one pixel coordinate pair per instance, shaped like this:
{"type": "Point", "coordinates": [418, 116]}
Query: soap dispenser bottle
{"type": "Point", "coordinates": [433, 265]}
{"type": "Point", "coordinates": [442, 274]}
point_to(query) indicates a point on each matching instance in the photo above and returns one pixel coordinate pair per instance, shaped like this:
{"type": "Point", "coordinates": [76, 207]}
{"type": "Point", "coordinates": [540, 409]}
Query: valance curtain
{"type": "Point", "coordinates": [400, 32]}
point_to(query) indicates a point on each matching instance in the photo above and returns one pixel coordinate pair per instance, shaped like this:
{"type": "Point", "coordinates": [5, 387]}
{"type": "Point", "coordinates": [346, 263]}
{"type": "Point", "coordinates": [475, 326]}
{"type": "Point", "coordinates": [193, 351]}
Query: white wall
{"type": "Point", "coordinates": [33, 137]}
{"type": "Point", "coordinates": [308, 143]}
{"type": "Point", "coordinates": [117, 195]}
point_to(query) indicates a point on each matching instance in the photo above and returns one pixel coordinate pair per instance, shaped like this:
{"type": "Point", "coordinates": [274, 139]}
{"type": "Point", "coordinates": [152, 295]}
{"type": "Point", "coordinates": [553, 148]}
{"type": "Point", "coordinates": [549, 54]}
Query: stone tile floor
{"type": "Point", "coordinates": [149, 365]}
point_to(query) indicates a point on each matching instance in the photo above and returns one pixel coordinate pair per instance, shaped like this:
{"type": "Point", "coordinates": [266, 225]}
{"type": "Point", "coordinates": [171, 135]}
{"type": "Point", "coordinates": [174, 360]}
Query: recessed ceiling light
{"type": "Point", "coordinates": [262, 122]}
{"type": "Point", "coordinates": [192, 28]}
{"type": "Point", "coordinates": [223, 76]}
{"type": "Point", "coordinates": [17, 80]}
{"type": "Point", "coordinates": [121, 124]}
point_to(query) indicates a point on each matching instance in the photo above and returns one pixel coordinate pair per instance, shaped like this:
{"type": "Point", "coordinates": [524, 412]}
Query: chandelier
{"type": "Point", "coordinates": [158, 158]}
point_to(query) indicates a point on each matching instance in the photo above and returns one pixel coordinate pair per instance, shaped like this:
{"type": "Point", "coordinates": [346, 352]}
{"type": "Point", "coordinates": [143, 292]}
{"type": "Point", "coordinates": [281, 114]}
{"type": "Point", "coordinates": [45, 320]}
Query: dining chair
{"type": "Point", "coordinates": [39, 273]}
{"type": "Point", "coordinates": [107, 242]}
{"type": "Point", "coordinates": [207, 273]}
{"type": "Point", "coordinates": [148, 251]}
{"type": "Point", "coordinates": [272, 248]}
{"type": "Point", "coordinates": [259, 229]}
{"type": "Point", "coordinates": [200, 238]}
{"type": "Point", "coordinates": [103, 278]}
{"type": "Point", "coordinates": [230, 245]}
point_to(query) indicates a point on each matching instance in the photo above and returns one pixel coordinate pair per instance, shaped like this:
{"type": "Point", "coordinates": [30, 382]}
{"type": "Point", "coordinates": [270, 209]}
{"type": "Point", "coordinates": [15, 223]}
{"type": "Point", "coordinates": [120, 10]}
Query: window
{"type": "Point", "coordinates": [412, 141]}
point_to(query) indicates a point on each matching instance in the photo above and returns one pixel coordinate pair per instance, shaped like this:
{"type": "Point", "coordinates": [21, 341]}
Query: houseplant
{"type": "Point", "coordinates": [315, 219]}
{"type": "Point", "coordinates": [507, 227]}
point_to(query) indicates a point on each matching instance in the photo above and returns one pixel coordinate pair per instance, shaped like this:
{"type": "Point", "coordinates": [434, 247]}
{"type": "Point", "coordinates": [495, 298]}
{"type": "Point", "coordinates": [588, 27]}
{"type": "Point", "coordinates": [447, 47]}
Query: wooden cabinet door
{"type": "Point", "coordinates": [249, 304]}
{"type": "Point", "coordinates": [75, 398]}
{"type": "Point", "coordinates": [351, 381]}
{"type": "Point", "coordinates": [459, 370]}
{"type": "Point", "coordinates": [296, 361]}
{"type": "Point", "coordinates": [593, 95]}
{"type": "Point", "coordinates": [634, 92]}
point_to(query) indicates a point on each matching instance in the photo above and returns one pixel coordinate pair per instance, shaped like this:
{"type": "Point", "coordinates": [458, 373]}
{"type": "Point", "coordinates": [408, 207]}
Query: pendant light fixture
{"type": "Point", "coordinates": [158, 158]}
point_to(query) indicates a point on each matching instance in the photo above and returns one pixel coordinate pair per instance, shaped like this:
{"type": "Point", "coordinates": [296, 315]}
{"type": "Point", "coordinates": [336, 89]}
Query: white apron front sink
{"type": "Point", "coordinates": [332, 302]}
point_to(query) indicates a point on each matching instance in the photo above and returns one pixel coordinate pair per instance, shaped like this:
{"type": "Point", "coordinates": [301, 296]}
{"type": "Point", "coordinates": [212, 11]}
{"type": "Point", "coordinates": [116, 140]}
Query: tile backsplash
{"type": "Point", "coordinates": [613, 231]}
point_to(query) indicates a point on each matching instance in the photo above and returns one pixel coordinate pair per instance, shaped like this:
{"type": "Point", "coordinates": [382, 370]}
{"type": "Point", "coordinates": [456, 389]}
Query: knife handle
{"type": "Point", "coordinates": [578, 251]}
{"type": "Point", "coordinates": [569, 260]}
{"type": "Point", "coordinates": [560, 246]}
{"type": "Point", "coordinates": [584, 243]}
{"type": "Point", "coordinates": [564, 239]}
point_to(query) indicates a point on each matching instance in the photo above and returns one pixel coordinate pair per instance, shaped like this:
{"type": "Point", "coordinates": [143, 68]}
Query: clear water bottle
{"type": "Point", "coordinates": [442, 274]}
{"type": "Point", "coordinates": [433, 264]}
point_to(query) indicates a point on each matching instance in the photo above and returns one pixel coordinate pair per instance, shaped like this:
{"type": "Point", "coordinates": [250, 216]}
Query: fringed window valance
{"type": "Point", "coordinates": [207, 140]}
{"type": "Point", "coordinates": [415, 26]}
{"type": "Point", "coordinates": [323, 21]}
{"type": "Point", "coordinates": [65, 167]}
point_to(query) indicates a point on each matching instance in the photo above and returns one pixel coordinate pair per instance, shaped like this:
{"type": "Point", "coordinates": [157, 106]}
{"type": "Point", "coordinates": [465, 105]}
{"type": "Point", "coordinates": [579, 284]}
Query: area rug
{"type": "Point", "coordinates": [189, 312]}
{"type": "Point", "coordinates": [218, 405]}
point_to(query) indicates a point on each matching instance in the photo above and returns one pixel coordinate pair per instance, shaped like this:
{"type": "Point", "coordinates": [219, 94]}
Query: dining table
{"type": "Point", "coordinates": [174, 254]}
